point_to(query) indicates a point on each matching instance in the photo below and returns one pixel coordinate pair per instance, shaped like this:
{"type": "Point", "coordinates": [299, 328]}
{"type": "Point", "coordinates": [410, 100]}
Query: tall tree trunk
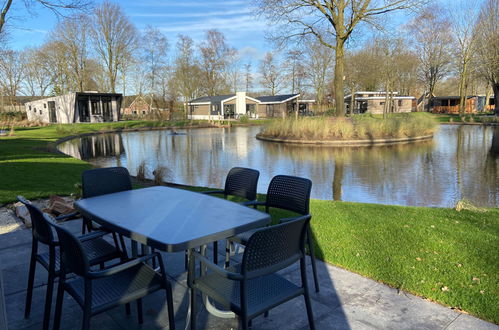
{"type": "Point", "coordinates": [494, 148]}
{"type": "Point", "coordinates": [337, 178]}
{"type": "Point", "coordinates": [495, 88]}
{"type": "Point", "coordinates": [462, 90]}
{"type": "Point", "coordinates": [339, 68]}
{"type": "Point", "coordinates": [352, 101]}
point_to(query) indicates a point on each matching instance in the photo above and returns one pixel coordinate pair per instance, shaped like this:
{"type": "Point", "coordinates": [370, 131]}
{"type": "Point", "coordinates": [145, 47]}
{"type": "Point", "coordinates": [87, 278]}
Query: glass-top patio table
{"type": "Point", "coordinates": [170, 219]}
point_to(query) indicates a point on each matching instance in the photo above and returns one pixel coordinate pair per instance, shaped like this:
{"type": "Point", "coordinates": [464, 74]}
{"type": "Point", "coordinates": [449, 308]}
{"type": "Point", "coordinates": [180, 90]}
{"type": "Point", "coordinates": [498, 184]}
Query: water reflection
{"type": "Point", "coordinates": [461, 162]}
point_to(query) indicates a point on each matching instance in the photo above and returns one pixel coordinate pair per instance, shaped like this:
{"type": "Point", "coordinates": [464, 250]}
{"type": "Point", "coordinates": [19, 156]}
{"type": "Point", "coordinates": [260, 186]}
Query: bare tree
{"type": "Point", "coordinates": [248, 77]}
{"type": "Point", "coordinates": [272, 77]}
{"type": "Point", "coordinates": [432, 43]}
{"type": "Point", "coordinates": [329, 20]}
{"type": "Point", "coordinates": [295, 70]}
{"type": "Point", "coordinates": [186, 71]}
{"type": "Point", "coordinates": [232, 72]}
{"type": "Point", "coordinates": [11, 74]}
{"type": "Point", "coordinates": [58, 7]}
{"type": "Point", "coordinates": [215, 55]}
{"type": "Point", "coordinates": [487, 46]}
{"type": "Point", "coordinates": [114, 38]}
{"type": "Point", "coordinates": [319, 62]}
{"type": "Point", "coordinates": [36, 78]}
{"type": "Point", "coordinates": [154, 46]}
{"type": "Point", "coordinates": [72, 36]}
{"type": "Point", "coordinates": [463, 23]}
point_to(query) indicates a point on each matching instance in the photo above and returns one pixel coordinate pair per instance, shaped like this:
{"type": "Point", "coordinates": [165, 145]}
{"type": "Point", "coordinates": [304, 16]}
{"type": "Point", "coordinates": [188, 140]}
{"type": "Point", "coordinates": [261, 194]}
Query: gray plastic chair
{"type": "Point", "coordinates": [289, 193]}
{"type": "Point", "coordinates": [253, 288]}
{"type": "Point", "coordinates": [241, 182]}
{"type": "Point", "coordinates": [101, 181]}
{"type": "Point", "coordinates": [99, 291]}
{"type": "Point", "coordinates": [93, 244]}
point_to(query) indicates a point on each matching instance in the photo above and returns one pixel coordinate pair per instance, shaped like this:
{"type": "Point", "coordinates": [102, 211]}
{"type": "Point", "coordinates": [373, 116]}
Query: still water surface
{"type": "Point", "coordinates": [459, 163]}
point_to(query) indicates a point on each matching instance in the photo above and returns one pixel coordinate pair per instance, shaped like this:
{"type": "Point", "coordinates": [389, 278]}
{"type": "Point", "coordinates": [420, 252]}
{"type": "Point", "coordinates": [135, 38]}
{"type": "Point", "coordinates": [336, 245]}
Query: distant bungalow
{"type": "Point", "coordinates": [450, 104]}
{"type": "Point", "coordinates": [374, 102]}
{"type": "Point", "coordinates": [238, 104]}
{"type": "Point", "coordinates": [84, 107]}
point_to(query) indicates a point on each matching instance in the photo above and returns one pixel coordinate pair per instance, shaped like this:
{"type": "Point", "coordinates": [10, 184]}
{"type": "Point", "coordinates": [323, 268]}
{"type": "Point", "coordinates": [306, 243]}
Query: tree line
{"type": "Point", "coordinates": [438, 51]}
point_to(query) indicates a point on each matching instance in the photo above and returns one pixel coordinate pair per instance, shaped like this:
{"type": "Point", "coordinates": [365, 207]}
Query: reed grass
{"type": "Point", "coordinates": [358, 127]}
{"type": "Point", "coordinates": [159, 175]}
{"type": "Point", "coordinates": [141, 171]}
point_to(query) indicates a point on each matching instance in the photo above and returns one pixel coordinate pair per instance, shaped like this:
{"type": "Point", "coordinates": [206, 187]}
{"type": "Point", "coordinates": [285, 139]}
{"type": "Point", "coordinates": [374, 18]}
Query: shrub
{"type": "Point", "coordinates": [244, 119]}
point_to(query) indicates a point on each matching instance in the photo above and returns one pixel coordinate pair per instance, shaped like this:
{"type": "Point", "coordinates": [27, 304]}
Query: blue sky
{"type": "Point", "coordinates": [233, 17]}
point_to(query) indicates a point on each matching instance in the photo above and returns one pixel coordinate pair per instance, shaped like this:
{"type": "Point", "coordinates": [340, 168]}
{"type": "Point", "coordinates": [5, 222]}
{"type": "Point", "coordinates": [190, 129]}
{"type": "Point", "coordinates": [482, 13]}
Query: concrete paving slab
{"type": "Point", "coordinates": [468, 322]}
{"type": "Point", "coordinates": [346, 300]}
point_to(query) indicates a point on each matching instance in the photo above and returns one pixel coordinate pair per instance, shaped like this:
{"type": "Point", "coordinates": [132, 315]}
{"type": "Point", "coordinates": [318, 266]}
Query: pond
{"type": "Point", "coordinates": [459, 163]}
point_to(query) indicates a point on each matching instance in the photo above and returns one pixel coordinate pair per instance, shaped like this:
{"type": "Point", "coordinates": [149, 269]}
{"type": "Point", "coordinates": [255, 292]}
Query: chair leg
{"type": "Point", "coordinates": [193, 308]}
{"type": "Point", "coordinates": [169, 303]}
{"type": "Point", "coordinates": [140, 315]}
{"type": "Point", "coordinates": [127, 309]}
{"type": "Point", "coordinates": [86, 319]}
{"type": "Point", "coordinates": [245, 324]}
{"type": "Point", "coordinates": [310, 315]}
{"type": "Point", "coordinates": [306, 294]}
{"type": "Point", "coordinates": [58, 304]}
{"type": "Point", "coordinates": [48, 298]}
{"type": "Point", "coordinates": [123, 247]}
{"type": "Point", "coordinates": [227, 254]}
{"type": "Point", "coordinates": [31, 279]}
{"type": "Point", "coordinates": [312, 259]}
{"type": "Point", "coordinates": [215, 252]}
{"type": "Point", "coordinates": [83, 226]}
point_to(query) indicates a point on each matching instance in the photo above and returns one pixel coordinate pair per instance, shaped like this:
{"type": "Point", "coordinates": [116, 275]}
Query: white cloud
{"type": "Point", "coordinates": [241, 23]}
{"type": "Point", "coordinates": [193, 4]}
{"type": "Point", "coordinates": [195, 14]}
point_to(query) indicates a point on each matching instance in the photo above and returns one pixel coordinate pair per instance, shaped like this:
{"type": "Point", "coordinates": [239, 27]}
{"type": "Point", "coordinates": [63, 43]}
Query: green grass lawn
{"type": "Point", "coordinates": [447, 256]}
{"type": "Point", "coordinates": [441, 254]}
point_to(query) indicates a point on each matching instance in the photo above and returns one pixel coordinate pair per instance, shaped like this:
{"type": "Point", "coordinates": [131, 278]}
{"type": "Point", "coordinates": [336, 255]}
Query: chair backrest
{"type": "Point", "coordinates": [289, 193]}
{"type": "Point", "coordinates": [73, 256]}
{"type": "Point", "coordinates": [273, 248]}
{"type": "Point", "coordinates": [40, 228]}
{"type": "Point", "coordinates": [242, 182]}
{"type": "Point", "coordinates": [101, 181]}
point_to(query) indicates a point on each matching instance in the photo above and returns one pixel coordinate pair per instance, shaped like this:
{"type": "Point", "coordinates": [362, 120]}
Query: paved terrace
{"type": "Point", "coordinates": [346, 300]}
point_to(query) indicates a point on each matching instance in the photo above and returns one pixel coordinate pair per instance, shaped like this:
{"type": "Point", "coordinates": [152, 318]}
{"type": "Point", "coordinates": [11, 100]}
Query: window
{"type": "Point", "coordinates": [96, 110]}
{"type": "Point", "coordinates": [400, 103]}
{"type": "Point", "coordinates": [29, 107]}
{"type": "Point", "coordinates": [45, 105]}
{"type": "Point", "coordinates": [134, 112]}
{"type": "Point", "coordinates": [381, 103]}
{"type": "Point", "coordinates": [143, 112]}
{"type": "Point", "coordinates": [40, 112]}
{"type": "Point", "coordinates": [250, 108]}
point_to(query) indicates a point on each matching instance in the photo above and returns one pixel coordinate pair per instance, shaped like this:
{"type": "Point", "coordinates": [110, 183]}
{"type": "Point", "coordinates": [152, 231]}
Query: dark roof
{"type": "Point", "coordinates": [212, 99]}
{"type": "Point", "coordinates": [453, 97]}
{"type": "Point", "coordinates": [276, 98]}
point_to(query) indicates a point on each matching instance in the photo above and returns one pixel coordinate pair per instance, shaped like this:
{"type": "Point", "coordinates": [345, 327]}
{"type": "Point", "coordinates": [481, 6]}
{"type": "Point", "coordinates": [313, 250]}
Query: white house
{"type": "Point", "coordinates": [80, 107]}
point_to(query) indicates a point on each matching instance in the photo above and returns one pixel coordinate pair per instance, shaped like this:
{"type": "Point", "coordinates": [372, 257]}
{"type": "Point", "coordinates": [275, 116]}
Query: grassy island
{"type": "Point", "coordinates": [357, 127]}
